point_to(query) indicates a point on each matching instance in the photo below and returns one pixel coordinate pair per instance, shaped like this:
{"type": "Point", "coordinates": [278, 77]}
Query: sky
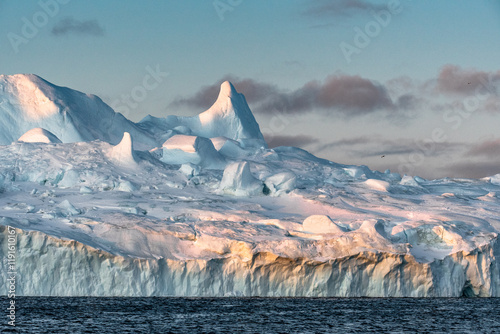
{"type": "Point", "coordinates": [406, 85]}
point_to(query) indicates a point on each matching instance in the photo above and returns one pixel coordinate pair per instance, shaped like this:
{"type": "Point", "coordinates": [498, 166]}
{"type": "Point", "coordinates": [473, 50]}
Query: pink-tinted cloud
{"type": "Point", "coordinates": [253, 90]}
{"type": "Point", "coordinates": [338, 94]}
{"type": "Point", "coordinates": [453, 79]}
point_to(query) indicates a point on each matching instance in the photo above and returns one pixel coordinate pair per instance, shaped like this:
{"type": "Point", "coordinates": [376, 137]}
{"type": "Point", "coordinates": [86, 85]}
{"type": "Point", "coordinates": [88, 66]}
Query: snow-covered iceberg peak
{"type": "Point", "coordinates": [123, 154]}
{"type": "Point", "coordinates": [230, 117]}
{"type": "Point", "coordinates": [28, 101]}
{"type": "Point", "coordinates": [227, 90]}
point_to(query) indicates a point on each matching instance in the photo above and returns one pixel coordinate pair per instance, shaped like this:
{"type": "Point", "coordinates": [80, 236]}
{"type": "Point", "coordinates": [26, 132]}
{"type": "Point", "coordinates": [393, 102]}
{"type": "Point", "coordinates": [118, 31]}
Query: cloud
{"type": "Point", "coordinates": [488, 148]}
{"type": "Point", "coordinates": [408, 102]}
{"type": "Point", "coordinates": [453, 79]}
{"type": "Point", "coordinates": [402, 155]}
{"type": "Point", "coordinates": [72, 26]}
{"type": "Point", "coordinates": [477, 169]}
{"type": "Point", "coordinates": [284, 140]}
{"type": "Point", "coordinates": [453, 89]}
{"type": "Point", "coordinates": [401, 83]}
{"type": "Point", "coordinates": [343, 95]}
{"type": "Point", "coordinates": [253, 90]}
{"type": "Point", "coordinates": [373, 146]}
{"type": "Point", "coordinates": [341, 8]}
{"type": "Point", "coordinates": [398, 100]}
{"type": "Point", "coordinates": [342, 143]}
{"type": "Point", "coordinates": [410, 146]}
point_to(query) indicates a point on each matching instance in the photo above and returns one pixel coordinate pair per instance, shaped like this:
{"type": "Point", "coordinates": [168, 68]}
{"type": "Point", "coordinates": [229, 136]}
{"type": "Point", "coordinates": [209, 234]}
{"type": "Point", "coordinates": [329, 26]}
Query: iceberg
{"type": "Point", "coordinates": [200, 206]}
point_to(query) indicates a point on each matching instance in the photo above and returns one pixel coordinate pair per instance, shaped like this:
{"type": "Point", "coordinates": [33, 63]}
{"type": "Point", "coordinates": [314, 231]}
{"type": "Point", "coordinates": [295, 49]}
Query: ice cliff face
{"type": "Point", "coordinates": [198, 206]}
{"type": "Point", "coordinates": [55, 267]}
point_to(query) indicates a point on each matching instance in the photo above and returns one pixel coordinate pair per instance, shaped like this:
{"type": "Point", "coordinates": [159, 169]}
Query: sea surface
{"type": "Point", "coordinates": [253, 315]}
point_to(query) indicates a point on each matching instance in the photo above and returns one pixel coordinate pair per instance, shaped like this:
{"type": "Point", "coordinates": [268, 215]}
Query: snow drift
{"type": "Point", "coordinates": [239, 181]}
{"type": "Point", "coordinates": [123, 153]}
{"type": "Point", "coordinates": [182, 149]}
{"type": "Point", "coordinates": [38, 135]}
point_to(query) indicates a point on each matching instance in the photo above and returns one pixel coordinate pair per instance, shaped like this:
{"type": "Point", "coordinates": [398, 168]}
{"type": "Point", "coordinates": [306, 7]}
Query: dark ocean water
{"type": "Point", "coordinates": [254, 315]}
